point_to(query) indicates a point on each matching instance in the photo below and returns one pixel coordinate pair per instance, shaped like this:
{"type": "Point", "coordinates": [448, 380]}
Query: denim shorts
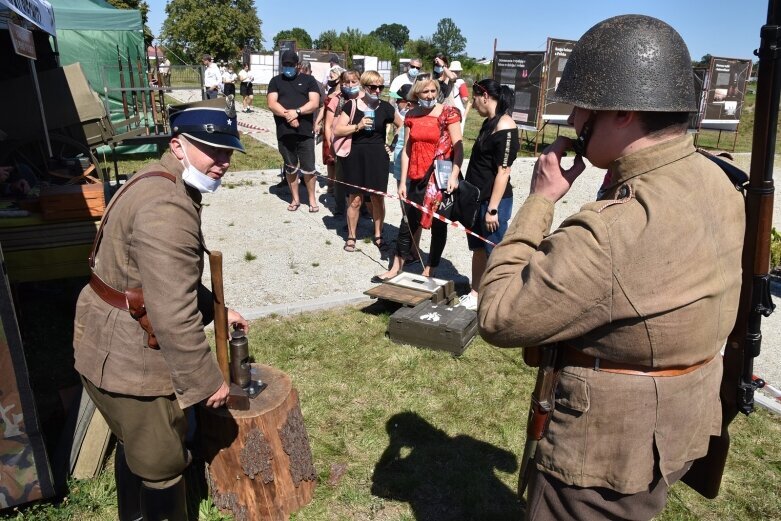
{"type": "Point", "coordinates": [298, 152]}
{"type": "Point", "coordinates": [505, 212]}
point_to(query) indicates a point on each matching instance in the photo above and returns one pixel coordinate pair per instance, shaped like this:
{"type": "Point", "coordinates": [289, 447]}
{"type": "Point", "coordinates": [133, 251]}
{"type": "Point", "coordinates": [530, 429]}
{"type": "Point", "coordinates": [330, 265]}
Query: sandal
{"type": "Point", "coordinates": [292, 207]}
{"type": "Point", "coordinates": [314, 209]}
{"type": "Point", "coordinates": [377, 241]}
{"type": "Point", "coordinates": [349, 247]}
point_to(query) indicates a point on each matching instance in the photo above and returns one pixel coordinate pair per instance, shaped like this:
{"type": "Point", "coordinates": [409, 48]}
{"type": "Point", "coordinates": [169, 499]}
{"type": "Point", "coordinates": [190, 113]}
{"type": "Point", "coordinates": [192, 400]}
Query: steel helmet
{"type": "Point", "coordinates": [629, 62]}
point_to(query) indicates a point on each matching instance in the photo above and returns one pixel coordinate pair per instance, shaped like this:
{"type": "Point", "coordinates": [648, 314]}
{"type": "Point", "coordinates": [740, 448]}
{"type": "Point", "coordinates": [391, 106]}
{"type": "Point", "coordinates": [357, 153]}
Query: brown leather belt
{"type": "Point", "coordinates": [574, 358]}
{"type": "Point", "coordinates": [109, 295]}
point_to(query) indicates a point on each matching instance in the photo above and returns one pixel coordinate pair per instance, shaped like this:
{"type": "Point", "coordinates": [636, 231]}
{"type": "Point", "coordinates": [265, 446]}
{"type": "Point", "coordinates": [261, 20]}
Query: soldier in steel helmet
{"type": "Point", "coordinates": [139, 337]}
{"type": "Point", "coordinates": [636, 292]}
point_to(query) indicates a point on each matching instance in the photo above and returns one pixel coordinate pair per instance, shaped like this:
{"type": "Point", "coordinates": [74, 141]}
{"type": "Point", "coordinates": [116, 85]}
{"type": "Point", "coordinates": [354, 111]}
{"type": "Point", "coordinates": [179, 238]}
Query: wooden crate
{"type": "Point", "coordinates": [59, 203]}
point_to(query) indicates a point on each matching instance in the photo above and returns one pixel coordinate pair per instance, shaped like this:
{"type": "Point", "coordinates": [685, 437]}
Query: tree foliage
{"type": "Point", "coordinates": [220, 27]}
{"type": "Point", "coordinates": [394, 34]}
{"type": "Point", "coordinates": [142, 6]}
{"type": "Point", "coordinates": [422, 48]}
{"type": "Point", "coordinates": [354, 41]}
{"type": "Point", "coordinates": [302, 38]}
{"type": "Point", "coordinates": [448, 38]}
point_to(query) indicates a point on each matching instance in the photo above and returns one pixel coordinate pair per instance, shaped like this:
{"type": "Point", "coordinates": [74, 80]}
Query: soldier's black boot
{"type": "Point", "coordinates": [128, 488]}
{"type": "Point", "coordinates": [164, 504]}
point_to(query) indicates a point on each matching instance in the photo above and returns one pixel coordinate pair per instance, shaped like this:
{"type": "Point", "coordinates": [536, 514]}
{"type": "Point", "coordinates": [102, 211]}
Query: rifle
{"type": "Point", "coordinates": [122, 84]}
{"type": "Point", "coordinates": [143, 91]}
{"type": "Point", "coordinates": [539, 410]}
{"type": "Point", "coordinates": [743, 344]}
{"type": "Point", "coordinates": [132, 83]}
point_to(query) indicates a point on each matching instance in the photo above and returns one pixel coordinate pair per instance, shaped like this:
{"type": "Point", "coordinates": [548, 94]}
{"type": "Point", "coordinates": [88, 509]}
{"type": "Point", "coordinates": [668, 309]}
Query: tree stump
{"type": "Point", "coordinates": [259, 463]}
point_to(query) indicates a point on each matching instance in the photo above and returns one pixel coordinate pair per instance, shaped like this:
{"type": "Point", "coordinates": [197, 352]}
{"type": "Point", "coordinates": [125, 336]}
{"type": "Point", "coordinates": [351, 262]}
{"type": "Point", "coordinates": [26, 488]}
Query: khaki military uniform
{"type": "Point", "coordinates": [152, 239]}
{"type": "Point", "coordinates": [650, 276]}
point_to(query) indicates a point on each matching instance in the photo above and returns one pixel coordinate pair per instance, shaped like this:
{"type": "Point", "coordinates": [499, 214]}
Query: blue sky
{"type": "Point", "coordinates": [717, 27]}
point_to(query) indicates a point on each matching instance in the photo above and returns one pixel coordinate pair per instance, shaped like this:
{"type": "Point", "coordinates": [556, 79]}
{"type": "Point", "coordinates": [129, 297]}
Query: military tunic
{"type": "Point", "coordinates": [152, 239]}
{"type": "Point", "coordinates": [650, 275]}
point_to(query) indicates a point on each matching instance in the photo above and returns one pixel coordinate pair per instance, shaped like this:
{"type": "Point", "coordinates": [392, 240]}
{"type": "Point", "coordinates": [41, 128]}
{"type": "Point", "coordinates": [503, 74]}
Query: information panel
{"type": "Point", "coordinates": [319, 60]}
{"type": "Point", "coordinates": [700, 75]}
{"type": "Point", "coordinates": [522, 72]}
{"type": "Point", "coordinates": [555, 60]}
{"type": "Point", "coordinates": [726, 88]}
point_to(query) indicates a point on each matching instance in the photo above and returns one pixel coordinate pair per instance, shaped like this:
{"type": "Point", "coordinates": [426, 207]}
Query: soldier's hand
{"type": "Point", "coordinates": [219, 398]}
{"type": "Point", "coordinates": [237, 321]}
{"type": "Point", "coordinates": [549, 179]}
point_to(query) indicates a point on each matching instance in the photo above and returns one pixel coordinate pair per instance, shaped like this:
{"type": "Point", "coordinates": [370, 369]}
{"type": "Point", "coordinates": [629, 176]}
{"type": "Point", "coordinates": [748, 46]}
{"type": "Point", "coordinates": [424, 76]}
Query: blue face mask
{"type": "Point", "coordinates": [289, 72]}
{"type": "Point", "coordinates": [413, 73]}
{"type": "Point", "coordinates": [427, 104]}
{"type": "Point", "coordinates": [439, 70]}
{"type": "Point", "coordinates": [350, 91]}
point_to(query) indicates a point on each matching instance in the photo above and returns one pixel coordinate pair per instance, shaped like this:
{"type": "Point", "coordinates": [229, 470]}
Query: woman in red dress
{"type": "Point", "coordinates": [433, 131]}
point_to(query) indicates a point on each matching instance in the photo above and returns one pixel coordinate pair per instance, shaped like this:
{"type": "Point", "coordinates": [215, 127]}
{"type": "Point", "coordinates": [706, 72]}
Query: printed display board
{"type": "Point", "coordinates": [725, 89]}
{"type": "Point", "coordinates": [319, 60]}
{"type": "Point", "coordinates": [522, 72]}
{"type": "Point", "coordinates": [555, 60]}
{"type": "Point", "coordinates": [700, 73]}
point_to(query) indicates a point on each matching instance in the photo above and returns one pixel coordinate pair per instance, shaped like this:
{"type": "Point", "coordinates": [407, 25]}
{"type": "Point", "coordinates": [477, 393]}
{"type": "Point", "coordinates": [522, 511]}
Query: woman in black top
{"type": "Point", "coordinates": [489, 170]}
{"type": "Point", "coordinates": [368, 162]}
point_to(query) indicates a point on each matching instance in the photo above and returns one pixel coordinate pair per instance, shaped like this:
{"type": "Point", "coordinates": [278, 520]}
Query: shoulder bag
{"type": "Point", "coordinates": [343, 144]}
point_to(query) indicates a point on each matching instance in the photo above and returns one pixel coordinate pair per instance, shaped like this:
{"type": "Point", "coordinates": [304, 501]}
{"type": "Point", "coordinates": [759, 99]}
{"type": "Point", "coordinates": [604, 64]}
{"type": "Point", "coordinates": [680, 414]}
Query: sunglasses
{"type": "Point", "coordinates": [479, 87]}
{"type": "Point", "coordinates": [376, 87]}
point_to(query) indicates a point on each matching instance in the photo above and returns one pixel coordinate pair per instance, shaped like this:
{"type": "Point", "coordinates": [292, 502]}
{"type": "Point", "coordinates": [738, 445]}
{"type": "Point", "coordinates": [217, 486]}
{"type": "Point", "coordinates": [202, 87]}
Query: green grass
{"type": "Point", "coordinates": [419, 433]}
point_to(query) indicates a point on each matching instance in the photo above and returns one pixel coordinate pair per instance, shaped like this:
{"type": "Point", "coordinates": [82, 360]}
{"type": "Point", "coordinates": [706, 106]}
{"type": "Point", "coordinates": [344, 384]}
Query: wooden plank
{"type": "Point", "coordinates": [93, 449]}
{"type": "Point", "coordinates": [406, 296]}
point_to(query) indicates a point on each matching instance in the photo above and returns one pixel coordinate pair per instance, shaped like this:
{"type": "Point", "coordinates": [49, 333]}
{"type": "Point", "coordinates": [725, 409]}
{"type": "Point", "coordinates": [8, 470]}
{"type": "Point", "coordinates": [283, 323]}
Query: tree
{"type": "Point", "coordinates": [421, 48]}
{"type": "Point", "coordinates": [142, 6]}
{"type": "Point", "coordinates": [394, 34]}
{"type": "Point", "coordinates": [327, 41]}
{"type": "Point", "coordinates": [448, 38]}
{"type": "Point", "coordinates": [705, 61]}
{"type": "Point", "coordinates": [302, 38]}
{"type": "Point", "coordinates": [220, 28]}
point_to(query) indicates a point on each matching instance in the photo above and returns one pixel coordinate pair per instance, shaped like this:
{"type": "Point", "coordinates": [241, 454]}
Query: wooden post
{"type": "Point", "coordinates": [259, 463]}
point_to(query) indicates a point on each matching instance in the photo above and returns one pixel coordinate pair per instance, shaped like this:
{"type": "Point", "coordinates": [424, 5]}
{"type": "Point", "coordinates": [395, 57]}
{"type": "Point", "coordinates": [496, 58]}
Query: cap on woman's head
{"type": "Point", "coordinates": [402, 93]}
{"type": "Point", "coordinates": [212, 122]}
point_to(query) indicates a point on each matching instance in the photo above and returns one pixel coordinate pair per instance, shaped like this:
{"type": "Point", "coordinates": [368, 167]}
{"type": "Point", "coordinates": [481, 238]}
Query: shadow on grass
{"type": "Point", "coordinates": [444, 477]}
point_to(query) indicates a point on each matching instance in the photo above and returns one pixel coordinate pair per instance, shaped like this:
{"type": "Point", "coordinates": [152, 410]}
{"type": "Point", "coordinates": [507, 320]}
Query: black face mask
{"type": "Point", "coordinates": [332, 83]}
{"type": "Point", "coordinates": [581, 143]}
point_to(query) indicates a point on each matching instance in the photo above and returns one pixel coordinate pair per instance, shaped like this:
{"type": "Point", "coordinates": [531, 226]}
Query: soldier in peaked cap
{"type": "Point", "coordinates": [636, 292]}
{"type": "Point", "coordinates": [143, 365]}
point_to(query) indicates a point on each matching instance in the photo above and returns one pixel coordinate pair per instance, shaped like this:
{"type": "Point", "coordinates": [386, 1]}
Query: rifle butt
{"type": "Point", "coordinates": [220, 314]}
{"type": "Point", "coordinates": [704, 476]}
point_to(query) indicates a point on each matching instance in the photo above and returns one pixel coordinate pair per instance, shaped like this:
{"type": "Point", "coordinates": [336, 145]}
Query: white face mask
{"type": "Point", "coordinates": [427, 103]}
{"type": "Point", "coordinates": [197, 179]}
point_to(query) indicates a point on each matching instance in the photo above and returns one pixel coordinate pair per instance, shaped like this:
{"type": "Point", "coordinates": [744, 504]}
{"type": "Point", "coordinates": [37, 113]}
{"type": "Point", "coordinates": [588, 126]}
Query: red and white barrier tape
{"type": "Point", "coordinates": [255, 129]}
{"type": "Point", "coordinates": [454, 224]}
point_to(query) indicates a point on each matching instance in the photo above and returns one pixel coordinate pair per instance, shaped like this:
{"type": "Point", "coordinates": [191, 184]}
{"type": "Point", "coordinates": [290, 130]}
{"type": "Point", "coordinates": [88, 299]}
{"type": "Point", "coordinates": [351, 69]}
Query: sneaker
{"type": "Point", "coordinates": [468, 301]}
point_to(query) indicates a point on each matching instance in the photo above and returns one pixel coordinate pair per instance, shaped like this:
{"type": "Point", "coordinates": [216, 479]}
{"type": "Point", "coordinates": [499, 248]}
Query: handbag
{"type": "Point", "coordinates": [343, 144]}
{"type": "Point", "coordinates": [462, 205]}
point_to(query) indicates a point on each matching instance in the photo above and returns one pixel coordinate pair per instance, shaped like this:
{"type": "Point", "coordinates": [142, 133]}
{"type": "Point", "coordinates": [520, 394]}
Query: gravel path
{"type": "Point", "coordinates": [299, 257]}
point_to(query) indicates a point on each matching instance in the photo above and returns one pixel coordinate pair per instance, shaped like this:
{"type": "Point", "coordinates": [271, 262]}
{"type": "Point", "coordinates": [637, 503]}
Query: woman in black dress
{"type": "Point", "coordinates": [368, 161]}
{"type": "Point", "coordinates": [492, 156]}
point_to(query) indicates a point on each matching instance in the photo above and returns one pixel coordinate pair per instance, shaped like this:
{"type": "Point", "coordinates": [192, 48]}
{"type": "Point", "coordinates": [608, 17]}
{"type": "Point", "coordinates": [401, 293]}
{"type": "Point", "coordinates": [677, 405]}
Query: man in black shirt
{"type": "Point", "coordinates": [294, 99]}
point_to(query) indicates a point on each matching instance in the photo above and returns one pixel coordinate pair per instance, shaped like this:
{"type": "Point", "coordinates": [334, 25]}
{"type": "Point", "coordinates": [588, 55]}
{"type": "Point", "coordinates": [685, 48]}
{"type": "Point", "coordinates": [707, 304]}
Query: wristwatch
{"type": "Point", "coordinates": [298, 112]}
{"type": "Point", "coordinates": [493, 211]}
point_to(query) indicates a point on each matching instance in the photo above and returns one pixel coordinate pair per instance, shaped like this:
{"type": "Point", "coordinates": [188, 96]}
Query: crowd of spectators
{"type": "Point", "coordinates": [365, 139]}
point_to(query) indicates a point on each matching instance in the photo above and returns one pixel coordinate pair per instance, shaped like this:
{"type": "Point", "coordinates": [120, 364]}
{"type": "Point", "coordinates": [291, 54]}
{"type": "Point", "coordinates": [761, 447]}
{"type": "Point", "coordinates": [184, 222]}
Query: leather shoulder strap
{"type": "Point", "coordinates": [738, 177]}
{"type": "Point", "coordinates": [99, 234]}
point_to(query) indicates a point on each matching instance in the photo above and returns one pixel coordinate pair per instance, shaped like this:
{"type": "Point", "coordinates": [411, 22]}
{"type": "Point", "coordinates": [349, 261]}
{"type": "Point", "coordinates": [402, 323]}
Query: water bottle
{"type": "Point", "coordinates": [369, 113]}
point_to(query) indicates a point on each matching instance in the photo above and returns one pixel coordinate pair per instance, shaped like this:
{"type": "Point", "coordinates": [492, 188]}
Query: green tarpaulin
{"type": "Point", "coordinates": [90, 32]}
